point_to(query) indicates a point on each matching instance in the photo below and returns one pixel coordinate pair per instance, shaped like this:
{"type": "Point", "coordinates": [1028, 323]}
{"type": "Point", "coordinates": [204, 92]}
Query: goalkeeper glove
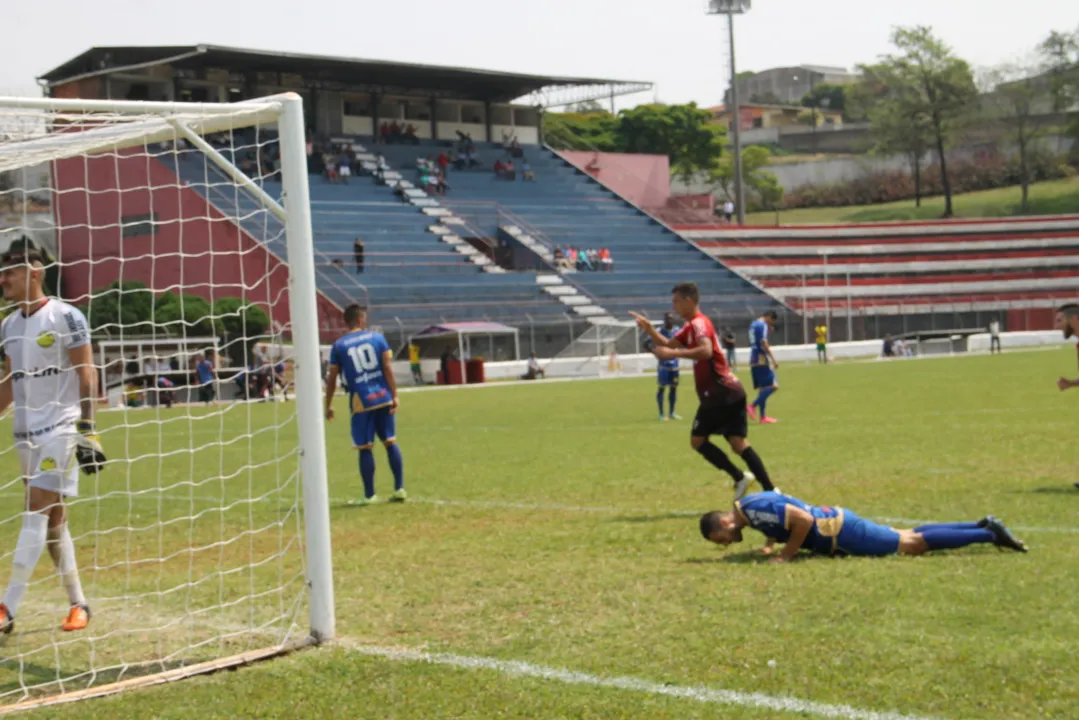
{"type": "Point", "coordinates": [91, 456]}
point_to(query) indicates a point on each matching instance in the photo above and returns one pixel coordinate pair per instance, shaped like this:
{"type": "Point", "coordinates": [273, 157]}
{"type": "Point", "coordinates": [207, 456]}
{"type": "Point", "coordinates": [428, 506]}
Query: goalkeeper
{"type": "Point", "coordinates": [49, 375]}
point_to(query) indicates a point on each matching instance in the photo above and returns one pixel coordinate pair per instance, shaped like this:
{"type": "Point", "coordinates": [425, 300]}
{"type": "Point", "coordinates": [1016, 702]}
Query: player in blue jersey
{"type": "Point", "coordinates": [667, 372]}
{"type": "Point", "coordinates": [760, 355]}
{"type": "Point", "coordinates": [366, 361]}
{"type": "Point", "coordinates": [838, 531]}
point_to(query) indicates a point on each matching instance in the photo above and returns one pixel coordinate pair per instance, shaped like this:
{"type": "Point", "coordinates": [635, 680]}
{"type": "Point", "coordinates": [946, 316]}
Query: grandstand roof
{"type": "Point", "coordinates": [466, 83]}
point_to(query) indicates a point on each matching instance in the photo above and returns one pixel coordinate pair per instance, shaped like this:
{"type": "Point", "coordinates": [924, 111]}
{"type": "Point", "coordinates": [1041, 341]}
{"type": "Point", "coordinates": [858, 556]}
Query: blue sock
{"type": "Point", "coordinates": [762, 399]}
{"type": "Point", "coordinates": [367, 472]}
{"type": "Point", "coordinates": [944, 538]}
{"type": "Point", "coordinates": [673, 398]}
{"type": "Point", "coordinates": [659, 400]}
{"type": "Point", "coordinates": [397, 464]}
{"type": "Point", "coordinates": [947, 526]}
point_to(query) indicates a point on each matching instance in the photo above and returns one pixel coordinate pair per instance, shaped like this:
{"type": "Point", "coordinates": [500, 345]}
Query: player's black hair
{"type": "Point", "coordinates": [710, 523]}
{"type": "Point", "coordinates": [772, 314]}
{"type": "Point", "coordinates": [1069, 309]}
{"type": "Point", "coordinates": [353, 313]}
{"type": "Point", "coordinates": [688, 290]}
{"type": "Point", "coordinates": [20, 252]}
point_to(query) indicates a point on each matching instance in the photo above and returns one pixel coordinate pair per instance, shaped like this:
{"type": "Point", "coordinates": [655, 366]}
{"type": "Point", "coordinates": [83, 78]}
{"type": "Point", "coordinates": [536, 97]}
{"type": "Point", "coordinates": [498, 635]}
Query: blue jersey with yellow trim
{"type": "Point", "coordinates": [671, 364]}
{"type": "Point", "coordinates": [358, 356]}
{"type": "Point", "coordinates": [758, 333]}
{"type": "Point", "coordinates": [766, 512]}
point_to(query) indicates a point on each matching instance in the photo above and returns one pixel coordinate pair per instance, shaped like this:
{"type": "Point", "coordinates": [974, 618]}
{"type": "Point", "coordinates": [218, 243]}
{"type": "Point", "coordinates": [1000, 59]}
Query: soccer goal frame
{"type": "Point", "coordinates": [162, 122]}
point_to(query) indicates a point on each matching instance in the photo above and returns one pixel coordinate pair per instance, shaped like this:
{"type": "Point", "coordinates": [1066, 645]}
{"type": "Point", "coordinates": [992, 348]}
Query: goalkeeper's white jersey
{"type": "Point", "coordinates": [44, 384]}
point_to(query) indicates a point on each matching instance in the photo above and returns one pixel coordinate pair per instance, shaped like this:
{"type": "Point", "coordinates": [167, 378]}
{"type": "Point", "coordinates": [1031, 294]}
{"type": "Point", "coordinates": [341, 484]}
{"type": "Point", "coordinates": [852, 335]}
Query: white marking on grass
{"type": "Point", "coordinates": [696, 693]}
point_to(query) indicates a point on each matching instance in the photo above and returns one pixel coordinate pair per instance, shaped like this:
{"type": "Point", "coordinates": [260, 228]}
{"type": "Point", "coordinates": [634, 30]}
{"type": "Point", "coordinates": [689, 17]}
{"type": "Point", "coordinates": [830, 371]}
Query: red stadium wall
{"type": "Point", "coordinates": [102, 207]}
{"type": "Point", "coordinates": [644, 180]}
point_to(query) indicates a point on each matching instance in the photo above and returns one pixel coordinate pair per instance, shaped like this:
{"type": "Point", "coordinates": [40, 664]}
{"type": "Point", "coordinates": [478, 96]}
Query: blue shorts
{"type": "Point", "coordinates": [668, 377]}
{"type": "Point", "coordinates": [865, 537]}
{"type": "Point", "coordinates": [373, 423]}
{"type": "Point", "coordinates": [763, 376]}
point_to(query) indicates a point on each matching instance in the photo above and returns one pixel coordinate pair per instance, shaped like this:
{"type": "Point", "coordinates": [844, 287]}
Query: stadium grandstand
{"type": "Point", "coordinates": [873, 279]}
{"type": "Point", "coordinates": [483, 245]}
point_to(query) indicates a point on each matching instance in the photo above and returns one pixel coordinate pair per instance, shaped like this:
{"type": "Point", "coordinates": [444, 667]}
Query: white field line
{"type": "Point", "coordinates": [518, 669]}
{"type": "Point", "coordinates": [696, 693]}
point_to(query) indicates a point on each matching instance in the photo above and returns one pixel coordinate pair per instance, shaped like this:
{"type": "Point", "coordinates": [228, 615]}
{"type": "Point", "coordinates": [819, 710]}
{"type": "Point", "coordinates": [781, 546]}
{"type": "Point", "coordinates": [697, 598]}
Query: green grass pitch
{"type": "Point", "coordinates": [556, 524]}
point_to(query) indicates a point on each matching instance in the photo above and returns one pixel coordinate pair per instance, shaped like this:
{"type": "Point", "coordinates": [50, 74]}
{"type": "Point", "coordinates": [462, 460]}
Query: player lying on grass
{"type": "Point", "coordinates": [838, 531]}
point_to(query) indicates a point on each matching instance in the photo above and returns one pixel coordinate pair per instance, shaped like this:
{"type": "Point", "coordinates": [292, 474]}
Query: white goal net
{"type": "Point", "coordinates": [607, 347]}
{"type": "Point", "coordinates": [182, 233]}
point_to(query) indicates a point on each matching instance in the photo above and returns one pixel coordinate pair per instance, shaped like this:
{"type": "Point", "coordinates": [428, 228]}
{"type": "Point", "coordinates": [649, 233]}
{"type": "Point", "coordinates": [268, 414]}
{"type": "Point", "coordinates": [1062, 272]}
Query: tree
{"type": "Point", "coordinates": [1060, 62]}
{"type": "Point", "coordinates": [581, 131]}
{"type": "Point", "coordinates": [1060, 57]}
{"type": "Point", "coordinates": [242, 324]}
{"type": "Point", "coordinates": [754, 173]}
{"type": "Point", "coordinates": [827, 95]}
{"type": "Point", "coordinates": [189, 315]}
{"type": "Point", "coordinates": [896, 121]}
{"type": "Point", "coordinates": [764, 98]}
{"type": "Point", "coordinates": [684, 133]}
{"type": "Point", "coordinates": [932, 86]}
{"type": "Point", "coordinates": [1015, 99]}
{"type": "Point", "coordinates": [124, 304]}
{"type": "Point", "coordinates": [587, 107]}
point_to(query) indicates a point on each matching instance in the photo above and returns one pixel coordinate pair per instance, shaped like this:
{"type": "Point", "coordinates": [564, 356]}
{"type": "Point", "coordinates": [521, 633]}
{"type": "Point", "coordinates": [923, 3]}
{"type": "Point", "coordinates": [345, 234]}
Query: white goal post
{"type": "Point", "coordinates": [207, 533]}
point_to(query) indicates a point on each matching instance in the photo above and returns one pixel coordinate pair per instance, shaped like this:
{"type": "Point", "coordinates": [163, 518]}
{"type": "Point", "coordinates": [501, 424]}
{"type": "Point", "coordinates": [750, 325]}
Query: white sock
{"type": "Point", "coordinates": [28, 549]}
{"type": "Point", "coordinates": [62, 550]}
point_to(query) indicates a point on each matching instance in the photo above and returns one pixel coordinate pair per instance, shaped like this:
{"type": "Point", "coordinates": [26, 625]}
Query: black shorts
{"type": "Point", "coordinates": [206, 392]}
{"type": "Point", "coordinates": [726, 420]}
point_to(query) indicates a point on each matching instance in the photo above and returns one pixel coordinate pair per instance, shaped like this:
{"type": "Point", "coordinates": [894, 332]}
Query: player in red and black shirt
{"type": "Point", "coordinates": [722, 399]}
{"type": "Point", "coordinates": [1067, 320]}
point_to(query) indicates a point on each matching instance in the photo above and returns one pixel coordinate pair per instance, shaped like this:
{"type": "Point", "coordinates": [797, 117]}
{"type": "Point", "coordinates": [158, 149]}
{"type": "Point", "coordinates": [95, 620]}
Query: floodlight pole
{"type": "Point", "coordinates": [736, 115]}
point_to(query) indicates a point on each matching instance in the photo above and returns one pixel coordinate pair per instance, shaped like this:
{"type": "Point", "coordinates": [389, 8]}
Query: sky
{"type": "Point", "coordinates": [671, 43]}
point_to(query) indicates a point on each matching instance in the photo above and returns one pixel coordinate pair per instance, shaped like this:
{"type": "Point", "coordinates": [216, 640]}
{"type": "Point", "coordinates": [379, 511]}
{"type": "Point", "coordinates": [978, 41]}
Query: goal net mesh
{"type": "Point", "coordinates": [189, 543]}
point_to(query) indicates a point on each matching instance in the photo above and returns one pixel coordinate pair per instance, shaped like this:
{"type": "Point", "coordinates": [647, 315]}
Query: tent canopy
{"type": "Point", "coordinates": [465, 328]}
{"type": "Point", "coordinates": [462, 332]}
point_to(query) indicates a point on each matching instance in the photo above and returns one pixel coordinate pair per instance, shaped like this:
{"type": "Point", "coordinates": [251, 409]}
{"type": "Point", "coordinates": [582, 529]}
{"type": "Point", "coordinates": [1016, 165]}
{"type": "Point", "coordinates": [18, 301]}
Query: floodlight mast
{"type": "Point", "coordinates": [730, 8]}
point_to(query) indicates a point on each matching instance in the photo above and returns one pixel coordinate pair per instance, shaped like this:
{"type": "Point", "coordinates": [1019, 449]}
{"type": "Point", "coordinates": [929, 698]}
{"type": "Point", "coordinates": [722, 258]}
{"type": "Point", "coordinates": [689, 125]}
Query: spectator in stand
{"type": "Point", "coordinates": [410, 135]}
{"type": "Point", "coordinates": [608, 262]}
{"type": "Point", "coordinates": [395, 131]}
{"type": "Point", "coordinates": [344, 167]}
{"type": "Point", "coordinates": [380, 168]}
{"type": "Point", "coordinates": [357, 255]}
{"type": "Point", "coordinates": [499, 168]}
{"type": "Point", "coordinates": [443, 162]}
{"type": "Point", "coordinates": [384, 132]}
{"type": "Point", "coordinates": [526, 170]}
{"type": "Point", "coordinates": [329, 167]}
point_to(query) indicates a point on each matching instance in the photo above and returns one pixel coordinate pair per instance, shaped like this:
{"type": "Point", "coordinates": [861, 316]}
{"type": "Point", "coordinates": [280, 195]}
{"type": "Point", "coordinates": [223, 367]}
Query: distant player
{"type": "Point", "coordinates": [49, 376]}
{"type": "Point", "coordinates": [764, 376]}
{"type": "Point", "coordinates": [204, 371]}
{"type": "Point", "coordinates": [822, 343]}
{"type": "Point", "coordinates": [667, 372]}
{"type": "Point", "coordinates": [414, 363]}
{"type": "Point", "coordinates": [837, 531]}
{"type": "Point", "coordinates": [722, 408]}
{"type": "Point", "coordinates": [994, 336]}
{"type": "Point", "coordinates": [366, 360]}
